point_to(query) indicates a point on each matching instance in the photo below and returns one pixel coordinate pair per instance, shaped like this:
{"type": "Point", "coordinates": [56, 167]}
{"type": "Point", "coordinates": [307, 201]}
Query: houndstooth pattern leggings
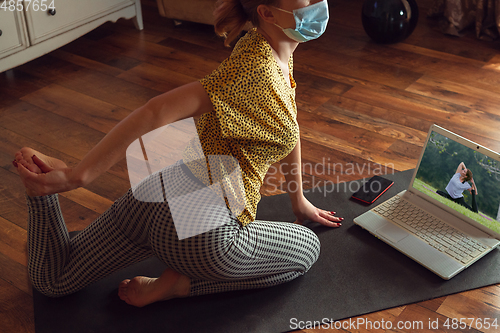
{"type": "Point", "coordinates": [230, 257]}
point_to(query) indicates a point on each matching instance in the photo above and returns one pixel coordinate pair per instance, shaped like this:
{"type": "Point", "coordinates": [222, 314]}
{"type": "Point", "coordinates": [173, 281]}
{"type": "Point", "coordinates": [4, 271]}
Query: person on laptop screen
{"type": "Point", "coordinates": [459, 183]}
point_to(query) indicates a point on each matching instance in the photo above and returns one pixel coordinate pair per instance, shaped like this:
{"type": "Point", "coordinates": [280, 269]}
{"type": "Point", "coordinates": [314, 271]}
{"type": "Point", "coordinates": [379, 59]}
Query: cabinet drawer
{"type": "Point", "coordinates": [13, 36]}
{"type": "Point", "coordinates": [68, 15]}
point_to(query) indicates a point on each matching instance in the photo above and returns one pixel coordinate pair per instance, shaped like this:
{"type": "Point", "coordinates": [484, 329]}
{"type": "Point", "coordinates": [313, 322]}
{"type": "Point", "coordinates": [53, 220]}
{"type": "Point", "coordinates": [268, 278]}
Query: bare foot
{"type": "Point", "coordinates": [35, 162]}
{"type": "Point", "coordinates": [25, 157]}
{"type": "Point", "coordinates": [141, 290]}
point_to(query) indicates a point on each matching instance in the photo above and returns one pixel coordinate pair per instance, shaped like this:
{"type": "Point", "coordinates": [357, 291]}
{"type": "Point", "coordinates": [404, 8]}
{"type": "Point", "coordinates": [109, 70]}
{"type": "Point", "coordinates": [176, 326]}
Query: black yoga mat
{"type": "Point", "coordinates": [355, 274]}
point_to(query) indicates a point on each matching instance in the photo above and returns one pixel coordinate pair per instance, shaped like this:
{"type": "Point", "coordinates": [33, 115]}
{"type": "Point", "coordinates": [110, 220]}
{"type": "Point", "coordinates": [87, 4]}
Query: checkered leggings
{"type": "Point", "coordinates": [230, 257]}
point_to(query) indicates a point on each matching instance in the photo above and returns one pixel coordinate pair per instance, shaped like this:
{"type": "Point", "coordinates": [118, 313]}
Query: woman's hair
{"type": "Point", "coordinates": [232, 15]}
{"type": "Point", "coordinates": [468, 175]}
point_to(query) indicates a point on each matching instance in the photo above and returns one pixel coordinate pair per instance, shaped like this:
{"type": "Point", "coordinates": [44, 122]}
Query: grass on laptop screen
{"type": "Point", "coordinates": [440, 161]}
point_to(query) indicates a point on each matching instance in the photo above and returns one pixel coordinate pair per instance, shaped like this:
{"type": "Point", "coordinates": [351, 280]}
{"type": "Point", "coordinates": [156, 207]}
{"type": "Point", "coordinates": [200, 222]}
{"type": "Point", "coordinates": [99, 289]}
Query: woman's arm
{"type": "Point", "coordinates": [186, 101]}
{"type": "Point", "coordinates": [302, 208]}
{"type": "Point", "coordinates": [461, 166]}
{"type": "Point", "coordinates": [474, 187]}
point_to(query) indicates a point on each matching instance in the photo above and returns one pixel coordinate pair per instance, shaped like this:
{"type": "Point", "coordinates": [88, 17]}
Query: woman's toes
{"type": "Point", "coordinates": [122, 290]}
{"type": "Point", "coordinates": [41, 164]}
{"type": "Point", "coordinates": [30, 166]}
{"type": "Point", "coordinates": [37, 162]}
{"type": "Point", "coordinates": [26, 153]}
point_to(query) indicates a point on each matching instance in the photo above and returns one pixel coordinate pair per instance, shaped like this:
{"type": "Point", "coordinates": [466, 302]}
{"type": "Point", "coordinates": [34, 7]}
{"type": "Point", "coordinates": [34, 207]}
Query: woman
{"type": "Point", "coordinates": [245, 109]}
{"type": "Point", "coordinates": [458, 184]}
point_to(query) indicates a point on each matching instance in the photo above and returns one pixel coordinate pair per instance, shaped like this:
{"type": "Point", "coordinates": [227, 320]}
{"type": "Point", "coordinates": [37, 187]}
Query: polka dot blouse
{"type": "Point", "coordinates": [253, 120]}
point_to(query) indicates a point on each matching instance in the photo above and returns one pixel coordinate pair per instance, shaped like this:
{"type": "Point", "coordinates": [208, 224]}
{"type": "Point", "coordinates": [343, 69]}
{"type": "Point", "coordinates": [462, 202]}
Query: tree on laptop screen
{"type": "Point", "coordinates": [443, 175]}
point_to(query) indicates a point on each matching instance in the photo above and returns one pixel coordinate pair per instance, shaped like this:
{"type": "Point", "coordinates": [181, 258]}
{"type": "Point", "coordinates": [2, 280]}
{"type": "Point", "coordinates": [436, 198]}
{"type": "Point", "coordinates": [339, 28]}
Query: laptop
{"type": "Point", "coordinates": [429, 222]}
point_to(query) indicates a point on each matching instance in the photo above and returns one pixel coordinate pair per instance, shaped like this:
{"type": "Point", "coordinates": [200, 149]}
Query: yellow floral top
{"type": "Point", "coordinates": [253, 119]}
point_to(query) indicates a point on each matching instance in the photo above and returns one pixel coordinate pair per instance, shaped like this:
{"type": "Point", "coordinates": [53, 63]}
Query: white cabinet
{"type": "Point", "coordinates": [28, 32]}
{"type": "Point", "coordinates": [12, 33]}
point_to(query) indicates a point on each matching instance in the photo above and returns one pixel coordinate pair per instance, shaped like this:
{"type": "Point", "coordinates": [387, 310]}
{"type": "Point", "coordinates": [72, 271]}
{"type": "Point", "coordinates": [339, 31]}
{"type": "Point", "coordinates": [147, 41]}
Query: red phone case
{"type": "Point", "coordinates": [366, 193]}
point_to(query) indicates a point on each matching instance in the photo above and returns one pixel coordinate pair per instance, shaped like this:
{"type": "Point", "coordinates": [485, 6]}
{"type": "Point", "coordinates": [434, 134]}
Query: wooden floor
{"type": "Point", "coordinates": [359, 104]}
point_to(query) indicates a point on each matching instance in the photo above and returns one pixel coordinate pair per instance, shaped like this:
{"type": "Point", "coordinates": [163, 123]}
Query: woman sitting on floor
{"type": "Point", "coordinates": [458, 184]}
{"type": "Point", "coordinates": [245, 109]}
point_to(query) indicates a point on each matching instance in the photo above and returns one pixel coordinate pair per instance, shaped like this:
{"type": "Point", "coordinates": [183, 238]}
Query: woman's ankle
{"type": "Point", "coordinates": [182, 285]}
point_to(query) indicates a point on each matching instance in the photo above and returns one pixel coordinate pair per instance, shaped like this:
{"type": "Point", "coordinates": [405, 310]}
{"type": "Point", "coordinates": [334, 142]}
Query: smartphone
{"type": "Point", "coordinates": [372, 189]}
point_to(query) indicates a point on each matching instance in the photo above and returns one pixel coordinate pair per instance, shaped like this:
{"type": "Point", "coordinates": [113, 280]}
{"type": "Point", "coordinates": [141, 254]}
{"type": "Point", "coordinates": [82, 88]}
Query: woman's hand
{"type": "Point", "coordinates": [43, 175]}
{"type": "Point", "coordinates": [474, 187]}
{"type": "Point", "coordinates": [305, 210]}
{"type": "Point", "coordinates": [39, 184]}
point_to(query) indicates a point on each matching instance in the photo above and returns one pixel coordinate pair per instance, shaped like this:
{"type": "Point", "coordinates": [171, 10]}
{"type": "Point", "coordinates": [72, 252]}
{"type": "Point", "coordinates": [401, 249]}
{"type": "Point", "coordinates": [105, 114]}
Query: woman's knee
{"type": "Point", "coordinates": [317, 247]}
{"type": "Point", "coordinates": [312, 247]}
{"type": "Point", "coordinates": [47, 288]}
{"type": "Point", "coordinates": [50, 284]}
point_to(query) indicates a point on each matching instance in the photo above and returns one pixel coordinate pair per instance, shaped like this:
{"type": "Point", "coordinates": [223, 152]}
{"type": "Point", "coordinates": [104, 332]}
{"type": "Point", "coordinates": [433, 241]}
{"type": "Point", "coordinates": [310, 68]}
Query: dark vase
{"type": "Point", "coordinates": [389, 21]}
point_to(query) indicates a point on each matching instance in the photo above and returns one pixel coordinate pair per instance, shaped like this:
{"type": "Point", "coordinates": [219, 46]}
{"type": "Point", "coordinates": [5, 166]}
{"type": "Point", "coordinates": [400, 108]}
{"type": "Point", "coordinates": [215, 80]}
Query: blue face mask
{"type": "Point", "coordinates": [310, 22]}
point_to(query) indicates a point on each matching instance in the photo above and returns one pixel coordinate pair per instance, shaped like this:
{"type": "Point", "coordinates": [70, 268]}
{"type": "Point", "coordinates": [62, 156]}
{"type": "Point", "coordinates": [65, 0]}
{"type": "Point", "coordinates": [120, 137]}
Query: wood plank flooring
{"type": "Point", "coordinates": [359, 104]}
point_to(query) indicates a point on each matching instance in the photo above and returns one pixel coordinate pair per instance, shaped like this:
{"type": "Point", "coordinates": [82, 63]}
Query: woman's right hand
{"type": "Point", "coordinates": [39, 184]}
{"type": "Point", "coordinates": [474, 187]}
{"type": "Point", "coordinates": [42, 179]}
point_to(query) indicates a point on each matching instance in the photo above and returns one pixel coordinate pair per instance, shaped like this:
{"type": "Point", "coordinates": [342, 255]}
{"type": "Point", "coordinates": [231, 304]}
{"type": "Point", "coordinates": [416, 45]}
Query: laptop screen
{"type": "Point", "coordinates": [461, 178]}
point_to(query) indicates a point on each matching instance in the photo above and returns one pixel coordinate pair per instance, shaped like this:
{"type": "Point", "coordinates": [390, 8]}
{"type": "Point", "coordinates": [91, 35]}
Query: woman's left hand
{"type": "Point", "coordinates": [305, 210]}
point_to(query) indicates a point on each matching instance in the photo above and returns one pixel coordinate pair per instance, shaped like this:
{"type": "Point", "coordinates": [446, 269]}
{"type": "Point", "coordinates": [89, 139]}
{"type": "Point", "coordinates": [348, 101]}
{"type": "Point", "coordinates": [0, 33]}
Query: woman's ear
{"type": "Point", "coordinates": [265, 14]}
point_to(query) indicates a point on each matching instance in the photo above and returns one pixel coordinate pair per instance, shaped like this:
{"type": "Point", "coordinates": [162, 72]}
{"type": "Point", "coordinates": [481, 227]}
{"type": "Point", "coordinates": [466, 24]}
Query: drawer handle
{"type": "Point", "coordinates": [0, 32]}
{"type": "Point", "coordinates": [51, 12]}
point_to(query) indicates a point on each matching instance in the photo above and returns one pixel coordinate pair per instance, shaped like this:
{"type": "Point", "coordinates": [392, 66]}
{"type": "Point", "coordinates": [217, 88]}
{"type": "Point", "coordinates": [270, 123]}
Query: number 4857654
{"type": "Point", "coordinates": [24, 5]}
{"type": "Point", "coordinates": [478, 323]}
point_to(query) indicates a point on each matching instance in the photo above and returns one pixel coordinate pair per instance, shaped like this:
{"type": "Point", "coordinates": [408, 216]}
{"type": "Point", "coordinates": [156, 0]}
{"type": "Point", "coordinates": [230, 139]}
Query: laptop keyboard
{"type": "Point", "coordinates": [431, 229]}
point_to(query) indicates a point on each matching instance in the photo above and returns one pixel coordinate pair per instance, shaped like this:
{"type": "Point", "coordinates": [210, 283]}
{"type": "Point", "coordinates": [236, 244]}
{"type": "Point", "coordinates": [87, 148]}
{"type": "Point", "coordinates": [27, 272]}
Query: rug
{"type": "Point", "coordinates": [355, 274]}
